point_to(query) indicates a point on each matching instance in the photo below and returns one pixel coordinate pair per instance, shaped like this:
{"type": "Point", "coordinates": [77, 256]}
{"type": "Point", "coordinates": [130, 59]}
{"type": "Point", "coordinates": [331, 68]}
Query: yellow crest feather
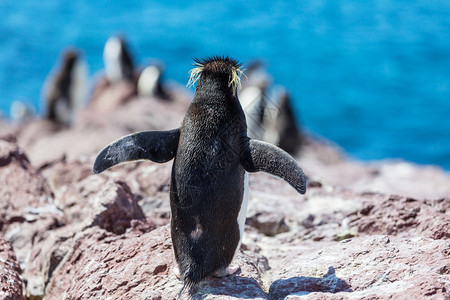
{"type": "Point", "coordinates": [194, 75]}
{"type": "Point", "coordinates": [234, 80]}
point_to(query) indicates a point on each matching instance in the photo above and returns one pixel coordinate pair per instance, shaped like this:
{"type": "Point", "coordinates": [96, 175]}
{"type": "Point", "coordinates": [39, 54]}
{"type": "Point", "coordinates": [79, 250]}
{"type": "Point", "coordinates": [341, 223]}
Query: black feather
{"type": "Point", "coordinates": [231, 62]}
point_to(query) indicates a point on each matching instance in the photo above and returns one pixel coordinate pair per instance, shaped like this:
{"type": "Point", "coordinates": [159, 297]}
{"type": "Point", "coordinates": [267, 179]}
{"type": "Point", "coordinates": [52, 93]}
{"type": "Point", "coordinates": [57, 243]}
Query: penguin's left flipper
{"type": "Point", "coordinates": [261, 156]}
{"type": "Point", "coordinates": [157, 146]}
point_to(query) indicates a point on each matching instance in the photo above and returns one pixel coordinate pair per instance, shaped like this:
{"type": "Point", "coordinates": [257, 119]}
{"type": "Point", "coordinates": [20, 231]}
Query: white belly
{"type": "Point", "coordinates": [111, 58]}
{"type": "Point", "coordinates": [242, 212]}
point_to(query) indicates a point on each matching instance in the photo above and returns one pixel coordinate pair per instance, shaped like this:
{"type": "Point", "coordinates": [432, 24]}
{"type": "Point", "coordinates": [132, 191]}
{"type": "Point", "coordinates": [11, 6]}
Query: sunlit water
{"type": "Point", "coordinates": [373, 76]}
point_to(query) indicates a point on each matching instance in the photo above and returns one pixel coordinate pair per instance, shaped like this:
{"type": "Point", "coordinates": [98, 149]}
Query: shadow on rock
{"type": "Point", "coordinates": [329, 283]}
{"type": "Point", "coordinates": [235, 286]}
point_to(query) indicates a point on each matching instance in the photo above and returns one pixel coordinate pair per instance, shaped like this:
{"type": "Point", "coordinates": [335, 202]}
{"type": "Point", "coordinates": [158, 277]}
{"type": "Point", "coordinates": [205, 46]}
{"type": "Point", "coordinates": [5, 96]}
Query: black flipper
{"type": "Point", "coordinates": [157, 146]}
{"type": "Point", "coordinates": [261, 156]}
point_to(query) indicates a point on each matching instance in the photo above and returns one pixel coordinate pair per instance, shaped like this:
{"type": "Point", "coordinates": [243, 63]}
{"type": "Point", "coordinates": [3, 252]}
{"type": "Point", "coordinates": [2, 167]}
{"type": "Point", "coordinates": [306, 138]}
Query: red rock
{"type": "Point", "coordinates": [26, 201]}
{"type": "Point", "coordinates": [136, 266]}
{"type": "Point", "coordinates": [96, 127]}
{"type": "Point", "coordinates": [326, 162]}
{"type": "Point", "coordinates": [78, 235]}
{"type": "Point", "coordinates": [402, 216]}
{"type": "Point", "coordinates": [48, 251]}
{"type": "Point", "coordinates": [112, 208]}
{"type": "Point", "coordinates": [376, 267]}
{"type": "Point", "coordinates": [22, 185]}
{"type": "Point", "coordinates": [328, 283]}
{"type": "Point", "coordinates": [10, 281]}
{"type": "Point", "coordinates": [107, 97]}
{"type": "Point", "coordinates": [150, 183]}
{"type": "Point", "coordinates": [268, 223]}
{"type": "Point", "coordinates": [92, 199]}
{"type": "Point", "coordinates": [6, 129]}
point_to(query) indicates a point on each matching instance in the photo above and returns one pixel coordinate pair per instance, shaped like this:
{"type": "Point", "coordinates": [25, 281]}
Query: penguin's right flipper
{"type": "Point", "coordinates": [261, 156]}
{"type": "Point", "coordinates": [157, 146]}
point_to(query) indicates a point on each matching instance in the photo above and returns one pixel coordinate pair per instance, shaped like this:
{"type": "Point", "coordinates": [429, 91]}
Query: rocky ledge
{"type": "Point", "coordinates": [362, 231]}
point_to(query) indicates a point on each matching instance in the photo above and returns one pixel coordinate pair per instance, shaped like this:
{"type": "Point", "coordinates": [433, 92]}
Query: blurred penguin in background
{"type": "Point", "coordinates": [150, 82]}
{"type": "Point", "coordinates": [117, 85]}
{"type": "Point", "coordinates": [119, 65]}
{"type": "Point", "coordinates": [281, 126]}
{"type": "Point", "coordinates": [254, 70]}
{"type": "Point", "coordinates": [268, 111]}
{"type": "Point", "coordinates": [21, 111]}
{"type": "Point", "coordinates": [254, 99]}
{"type": "Point", "coordinates": [65, 90]}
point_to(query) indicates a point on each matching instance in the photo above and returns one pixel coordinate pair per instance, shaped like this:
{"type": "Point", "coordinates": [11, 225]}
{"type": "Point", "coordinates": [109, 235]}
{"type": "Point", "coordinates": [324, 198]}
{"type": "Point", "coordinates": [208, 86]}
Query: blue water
{"type": "Point", "coordinates": [373, 76]}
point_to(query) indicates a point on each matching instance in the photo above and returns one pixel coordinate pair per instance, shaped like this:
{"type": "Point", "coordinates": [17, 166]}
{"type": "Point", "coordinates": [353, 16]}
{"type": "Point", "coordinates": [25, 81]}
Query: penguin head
{"type": "Point", "coordinates": [70, 57]}
{"type": "Point", "coordinates": [221, 72]}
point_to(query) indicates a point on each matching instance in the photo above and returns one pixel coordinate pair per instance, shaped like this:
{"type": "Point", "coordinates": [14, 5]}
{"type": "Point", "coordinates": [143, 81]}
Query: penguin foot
{"type": "Point", "coordinates": [226, 271]}
{"type": "Point", "coordinates": [176, 272]}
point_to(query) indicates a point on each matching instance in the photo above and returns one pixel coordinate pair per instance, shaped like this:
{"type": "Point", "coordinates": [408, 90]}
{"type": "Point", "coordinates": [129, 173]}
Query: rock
{"type": "Point", "coordinates": [6, 129]}
{"type": "Point", "coordinates": [107, 97]}
{"type": "Point", "coordinates": [39, 227]}
{"type": "Point", "coordinates": [150, 183]}
{"type": "Point", "coordinates": [328, 283]}
{"type": "Point", "coordinates": [92, 199]}
{"type": "Point", "coordinates": [48, 251]}
{"type": "Point", "coordinates": [95, 128]}
{"type": "Point", "coordinates": [268, 223]}
{"type": "Point", "coordinates": [112, 208]}
{"type": "Point", "coordinates": [32, 136]}
{"type": "Point", "coordinates": [23, 187]}
{"type": "Point", "coordinates": [245, 284]}
{"type": "Point", "coordinates": [22, 235]}
{"type": "Point", "coordinates": [66, 181]}
{"type": "Point", "coordinates": [376, 267]}
{"type": "Point", "coordinates": [78, 235]}
{"type": "Point", "coordinates": [10, 281]}
{"type": "Point", "coordinates": [45, 142]}
{"type": "Point", "coordinates": [138, 266]}
{"type": "Point", "coordinates": [402, 216]}
{"type": "Point", "coordinates": [326, 162]}
{"type": "Point", "coordinates": [26, 202]}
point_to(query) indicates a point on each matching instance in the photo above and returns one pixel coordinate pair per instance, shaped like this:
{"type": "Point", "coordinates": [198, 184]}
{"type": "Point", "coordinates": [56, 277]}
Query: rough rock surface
{"type": "Point", "coordinates": [326, 162]}
{"type": "Point", "coordinates": [396, 215]}
{"type": "Point", "coordinates": [362, 231]}
{"type": "Point", "coordinates": [111, 209]}
{"type": "Point", "coordinates": [10, 281]}
{"type": "Point", "coordinates": [27, 205]}
{"type": "Point", "coordinates": [136, 265]}
{"type": "Point", "coordinates": [368, 268]}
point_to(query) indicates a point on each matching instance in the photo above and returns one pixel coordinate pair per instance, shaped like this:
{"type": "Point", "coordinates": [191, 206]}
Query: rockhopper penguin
{"type": "Point", "coordinates": [212, 155]}
{"type": "Point", "coordinates": [64, 91]}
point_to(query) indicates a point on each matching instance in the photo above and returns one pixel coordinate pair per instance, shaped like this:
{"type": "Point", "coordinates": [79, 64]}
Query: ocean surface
{"type": "Point", "coordinates": [373, 76]}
